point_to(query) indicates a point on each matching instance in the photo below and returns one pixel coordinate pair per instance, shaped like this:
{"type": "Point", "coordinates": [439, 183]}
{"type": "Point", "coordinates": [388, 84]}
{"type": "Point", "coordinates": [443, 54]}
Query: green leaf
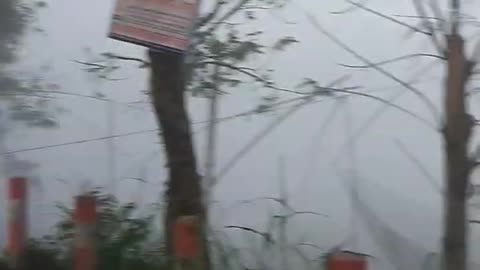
{"type": "Point", "coordinates": [283, 43]}
{"type": "Point", "coordinates": [314, 87]}
{"type": "Point", "coordinates": [263, 108]}
{"type": "Point", "coordinates": [99, 95]}
{"type": "Point", "coordinates": [250, 15]}
{"type": "Point", "coordinates": [256, 33]}
{"type": "Point", "coordinates": [245, 49]}
{"type": "Point", "coordinates": [41, 4]}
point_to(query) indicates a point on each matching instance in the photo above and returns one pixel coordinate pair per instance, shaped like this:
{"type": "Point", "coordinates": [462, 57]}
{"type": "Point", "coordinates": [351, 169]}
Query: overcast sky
{"type": "Point", "coordinates": [390, 182]}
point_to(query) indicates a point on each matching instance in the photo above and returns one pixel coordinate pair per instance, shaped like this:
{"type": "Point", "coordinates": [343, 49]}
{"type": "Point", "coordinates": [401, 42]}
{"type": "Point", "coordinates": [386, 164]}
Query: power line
{"type": "Point", "coordinates": [429, 104]}
{"type": "Point", "coordinates": [353, 175]}
{"type": "Point", "coordinates": [272, 125]}
{"type": "Point", "coordinates": [420, 166]}
{"type": "Point", "coordinates": [220, 119]}
{"type": "Point", "coordinates": [78, 142]}
{"type": "Point", "coordinates": [256, 139]}
{"type": "Point", "coordinates": [378, 113]}
{"type": "Point", "coordinates": [316, 143]}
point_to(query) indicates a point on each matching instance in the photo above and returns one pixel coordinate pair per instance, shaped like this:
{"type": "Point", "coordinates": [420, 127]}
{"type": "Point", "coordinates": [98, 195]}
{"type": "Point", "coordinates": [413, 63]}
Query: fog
{"type": "Point", "coordinates": [316, 154]}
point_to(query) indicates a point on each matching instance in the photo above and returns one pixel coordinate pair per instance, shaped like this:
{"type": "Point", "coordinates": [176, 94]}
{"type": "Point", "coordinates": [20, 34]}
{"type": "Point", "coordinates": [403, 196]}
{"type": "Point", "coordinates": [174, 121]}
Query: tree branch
{"type": "Point", "coordinates": [254, 8]}
{"type": "Point", "coordinates": [99, 66]}
{"type": "Point", "coordinates": [265, 131]}
{"type": "Point", "coordinates": [248, 72]}
{"type": "Point", "coordinates": [127, 58]}
{"type": "Point", "coordinates": [294, 213]}
{"type": "Point", "coordinates": [396, 59]}
{"type": "Point", "coordinates": [417, 17]}
{"type": "Point", "coordinates": [420, 166]}
{"type": "Point", "coordinates": [422, 13]}
{"type": "Point", "coordinates": [266, 236]}
{"type": "Point", "coordinates": [25, 95]}
{"type": "Point", "coordinates": [411, 27]}
{"type": "Point", "coordinates": [349, 9]}
{"type": "Point", "coordinates": [304, 101]}
{"type": "Point", "coordinates": [208, 18]}
{"type": "Point", "coordinates": [255, 110]}
{"type": "Point", "coordinates": [412, 114]}
{"type": "Point", "coordinates": [311, 245]}
{"type": "Point", "coordinates": [229, 14]}
{"type": "Point", "coordinates": [414, 90]}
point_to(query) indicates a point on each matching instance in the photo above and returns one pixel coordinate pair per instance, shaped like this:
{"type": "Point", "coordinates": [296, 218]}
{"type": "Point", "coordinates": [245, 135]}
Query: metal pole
{"type": "Point", "coordinates": [112, 162]}
{"type": "Point", "coordinates": [283, 194]}
{"type": "Point", "coordinates": [352, 174]}
{"type": "Point", "coordinates": [209, 179]}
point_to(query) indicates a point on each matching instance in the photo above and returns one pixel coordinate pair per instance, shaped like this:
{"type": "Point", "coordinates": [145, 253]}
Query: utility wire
{"type": "Point", "coordinates": [420, 166]}
{"type": "Point", "coordinates": [269, 128]}
{"type": "Point", "coordinates": [378, 113]}
{"type": "Point", "coordinates": [429, 104]}
{"type": "Point", "coordinates": [221, 119]}
{"type": "Point", "coordinates": [353, 174]}
{"type": "Point", "coordinates": [78, 142]}
{"type": "Point", "coordinates": [256, 139]}
{"type": "Point", "coordinates": [316, 143]}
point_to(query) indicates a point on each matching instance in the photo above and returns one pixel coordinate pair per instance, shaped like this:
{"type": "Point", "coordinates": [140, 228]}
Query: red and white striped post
{"type": "Point", "coordinates": [17, 220]}
{"type": "Point", "coordinates": [347, 260]}
{"type": "Point", "coordinates": [186, 243]}
{"type": "Point", "coordinates": [85, 215]}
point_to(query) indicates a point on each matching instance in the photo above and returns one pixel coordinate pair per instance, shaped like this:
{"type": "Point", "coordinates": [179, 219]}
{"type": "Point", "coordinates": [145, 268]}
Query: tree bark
{"type": "Point", "coordinates": [457, 133]}
{"type": "Point", "coordinates": [184, 190]}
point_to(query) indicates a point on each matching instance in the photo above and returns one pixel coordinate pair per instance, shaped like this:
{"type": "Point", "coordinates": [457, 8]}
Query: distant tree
{"type": "Point", "coordinates": [456, 125]}
{"type": "Point", "coordinates": [25, 93]}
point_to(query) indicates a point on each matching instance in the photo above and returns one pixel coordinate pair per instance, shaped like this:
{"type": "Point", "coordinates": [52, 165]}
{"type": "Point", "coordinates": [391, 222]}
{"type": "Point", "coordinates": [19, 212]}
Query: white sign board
{"type": "Point", "coordinates": [161, 24]}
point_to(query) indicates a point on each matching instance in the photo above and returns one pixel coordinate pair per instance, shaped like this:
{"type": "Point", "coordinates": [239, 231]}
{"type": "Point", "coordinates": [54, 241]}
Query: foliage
{"type": "Point", "coordinates": [14, 19]}
{"type": "Point", "coordinates": [38, 256]}
{"type": "Point", "coordinates": [124, 239]}
{"type": "Point", "coordinates": [26, 94]}
{"type": "Point", "coordinates": [222, 54]}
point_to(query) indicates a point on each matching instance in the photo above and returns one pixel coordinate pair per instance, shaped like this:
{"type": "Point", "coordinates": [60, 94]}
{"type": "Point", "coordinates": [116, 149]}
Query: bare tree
{"type": "Point", "coordinates": [457, 125]}
{"type": "Point", "coordinates": [26, 93]}
{"type": "Point", "coordinates": [456, 133]}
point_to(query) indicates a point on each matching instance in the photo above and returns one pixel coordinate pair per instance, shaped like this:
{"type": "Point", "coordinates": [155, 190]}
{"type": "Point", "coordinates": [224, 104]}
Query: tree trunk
{"type": "Point", "coordinates": [457, 133]}
{"type": "Point", "coordinates": [184, 191]}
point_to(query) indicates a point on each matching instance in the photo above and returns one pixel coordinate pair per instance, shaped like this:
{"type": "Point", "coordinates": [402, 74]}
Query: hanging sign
{"type": "Point", "coordinates": [160, 24]}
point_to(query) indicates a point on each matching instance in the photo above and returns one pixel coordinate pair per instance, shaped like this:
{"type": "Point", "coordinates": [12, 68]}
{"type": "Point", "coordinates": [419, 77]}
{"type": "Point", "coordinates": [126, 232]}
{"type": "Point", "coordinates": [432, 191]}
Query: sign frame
{"type": "Point", "coordinates": [163, 25]}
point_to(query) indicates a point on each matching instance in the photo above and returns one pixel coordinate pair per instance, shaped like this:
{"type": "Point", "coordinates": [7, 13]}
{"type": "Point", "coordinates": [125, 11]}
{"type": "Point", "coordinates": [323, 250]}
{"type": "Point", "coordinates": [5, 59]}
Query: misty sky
{"type": "Point", "coordinates": [314, 157]}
